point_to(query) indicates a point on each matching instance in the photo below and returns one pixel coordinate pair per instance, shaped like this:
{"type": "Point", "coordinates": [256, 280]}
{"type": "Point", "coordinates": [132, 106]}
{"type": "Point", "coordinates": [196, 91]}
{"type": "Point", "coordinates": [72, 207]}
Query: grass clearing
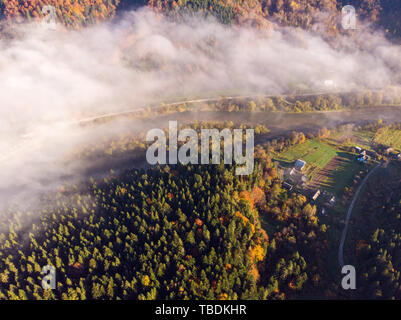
{"type": "Point", "coordinates": [315, 152]}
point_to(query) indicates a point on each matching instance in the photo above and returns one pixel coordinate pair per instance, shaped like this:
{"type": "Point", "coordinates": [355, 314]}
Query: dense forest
{"type": "Point", "coordinates": [259, 13]}
{"type": "Point", "coordinates": [171, 232]}
{"type": "Point", "coordinates": [198, 232]}
{"type": "Point", "coordinates": [71, 13]}
{"type": "Point", "coordinates": [377, 244]}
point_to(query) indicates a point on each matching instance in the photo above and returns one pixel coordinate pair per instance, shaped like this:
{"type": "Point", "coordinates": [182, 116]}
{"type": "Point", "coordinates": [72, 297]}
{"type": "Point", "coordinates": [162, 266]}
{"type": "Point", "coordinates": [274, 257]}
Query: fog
{"type": "Point", "coordinates": [53, 78]}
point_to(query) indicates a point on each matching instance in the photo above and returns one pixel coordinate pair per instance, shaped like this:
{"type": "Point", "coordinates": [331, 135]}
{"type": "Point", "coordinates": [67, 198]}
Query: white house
{"type": "Point", "coordinates": [300, 164]}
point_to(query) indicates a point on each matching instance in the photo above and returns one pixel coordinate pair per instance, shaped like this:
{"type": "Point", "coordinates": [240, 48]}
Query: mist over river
{"type": "Point", "coordinates": [34, 166]}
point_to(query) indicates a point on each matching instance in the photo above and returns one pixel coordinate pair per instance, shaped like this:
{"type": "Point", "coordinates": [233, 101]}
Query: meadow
{"type": "Point", "coordinates": [315, 152]}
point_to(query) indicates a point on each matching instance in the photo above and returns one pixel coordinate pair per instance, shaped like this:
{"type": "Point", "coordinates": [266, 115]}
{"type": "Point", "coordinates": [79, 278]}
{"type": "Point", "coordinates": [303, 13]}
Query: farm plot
{"type": "Point", "coordinates": [322, 176]}
{"type": "Point", "coordinates": [337, 174]}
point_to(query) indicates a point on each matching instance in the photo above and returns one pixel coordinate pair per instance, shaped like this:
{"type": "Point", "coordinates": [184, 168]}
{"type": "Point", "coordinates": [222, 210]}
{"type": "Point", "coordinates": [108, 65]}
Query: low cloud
{"type": "Point", "coordinates": [50, 79]}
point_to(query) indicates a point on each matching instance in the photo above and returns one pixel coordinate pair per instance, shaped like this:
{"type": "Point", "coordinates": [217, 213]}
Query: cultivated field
{"type": "Point", "coordinates": [337, 174]}
{"type": "Point", "coordinates": [323, 176]}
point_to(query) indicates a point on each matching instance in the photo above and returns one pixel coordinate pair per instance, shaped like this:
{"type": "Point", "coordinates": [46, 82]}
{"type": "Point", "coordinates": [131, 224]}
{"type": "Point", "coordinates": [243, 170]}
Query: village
{"type": "Point", "coordinates": [331, 170]}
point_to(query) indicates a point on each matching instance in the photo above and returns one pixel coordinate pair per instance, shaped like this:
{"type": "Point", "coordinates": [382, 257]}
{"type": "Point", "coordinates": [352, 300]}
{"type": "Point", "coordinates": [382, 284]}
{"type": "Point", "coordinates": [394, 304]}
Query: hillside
{"type": "Point", "coordinates": [83, 192]}
{"type": "Point", "coordinates": [260, 13]}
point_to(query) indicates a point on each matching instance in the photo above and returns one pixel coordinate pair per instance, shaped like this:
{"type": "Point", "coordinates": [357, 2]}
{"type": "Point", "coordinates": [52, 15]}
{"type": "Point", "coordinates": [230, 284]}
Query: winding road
{"type": "Point", "coordinates": [351, 207]}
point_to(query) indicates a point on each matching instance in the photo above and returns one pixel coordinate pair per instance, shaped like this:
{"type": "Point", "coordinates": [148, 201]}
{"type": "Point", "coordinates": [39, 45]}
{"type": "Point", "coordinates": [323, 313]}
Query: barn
{"type": "Point", "coordinates": [300, 164]}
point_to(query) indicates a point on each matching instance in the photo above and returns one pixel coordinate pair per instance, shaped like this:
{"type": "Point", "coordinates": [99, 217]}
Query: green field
{"type": "Point", "coordinates": [315, 152]}
{"type": "Point", "coordinates": [389, 137]}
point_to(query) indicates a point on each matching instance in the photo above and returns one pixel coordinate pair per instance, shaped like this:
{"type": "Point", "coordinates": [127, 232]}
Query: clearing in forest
{"type": "Point", "coordinates": [315, 152]}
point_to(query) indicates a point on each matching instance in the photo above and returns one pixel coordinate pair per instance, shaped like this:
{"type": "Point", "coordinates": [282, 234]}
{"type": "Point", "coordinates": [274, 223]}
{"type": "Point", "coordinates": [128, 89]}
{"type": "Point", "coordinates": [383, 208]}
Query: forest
{"type": "Point", "coordinates": [319, 102]}
{"type": "Point", "coordinates": [171, 232]}
{"type": "Point", "coordinates": [259, 13]}
{"type": "Point", "coordinates": [376, 246]}
{"type": "Point", "coordinates": [72, 13]}
{"type": "Point", "coordinates": [199, 232]}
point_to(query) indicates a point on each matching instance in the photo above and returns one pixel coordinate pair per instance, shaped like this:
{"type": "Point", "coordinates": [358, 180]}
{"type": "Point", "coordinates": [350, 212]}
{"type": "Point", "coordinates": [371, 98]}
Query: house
{"type": "Point", "coordinates": [399, 156]}
{"type": "Point", "coordinates": [358, 149]}
{"type": "Point", "coordinates": [299, 165]}
{"type": "Point", "coordinates": [363, 159]}
{"type": "Point", "coordinates": [363, 153]}
{"type": "Point", "coordinates": [316, 195]}
{"type": "Point", "coordinates": [287, 186]}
